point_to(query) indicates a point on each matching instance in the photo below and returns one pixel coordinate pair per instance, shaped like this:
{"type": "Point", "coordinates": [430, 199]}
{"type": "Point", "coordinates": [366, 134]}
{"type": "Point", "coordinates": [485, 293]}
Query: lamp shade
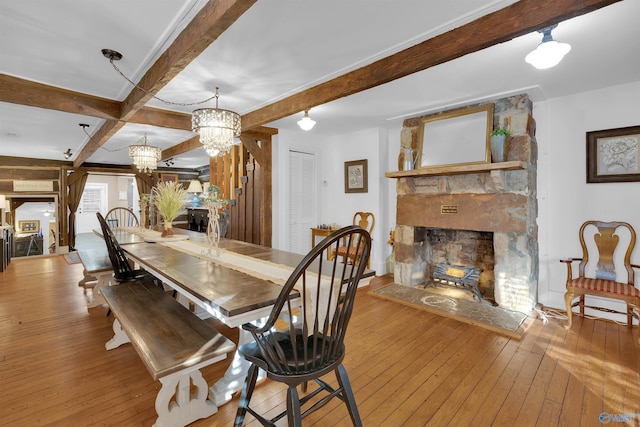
{"type": "Point", "coordinates": [3, 201]}
{"type": "Point", "coordinates": [194, 186]}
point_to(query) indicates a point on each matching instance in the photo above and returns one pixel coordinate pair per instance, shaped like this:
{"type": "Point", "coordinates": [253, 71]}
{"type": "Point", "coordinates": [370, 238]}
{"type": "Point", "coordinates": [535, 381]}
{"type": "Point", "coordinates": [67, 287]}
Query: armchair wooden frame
{"type": "Point", "coordinates": [605, 283]}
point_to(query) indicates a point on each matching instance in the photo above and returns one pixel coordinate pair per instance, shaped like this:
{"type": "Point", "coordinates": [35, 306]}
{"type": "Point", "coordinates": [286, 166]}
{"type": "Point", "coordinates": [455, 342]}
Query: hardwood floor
{"type": "Point", "coordinates": [407, 367]}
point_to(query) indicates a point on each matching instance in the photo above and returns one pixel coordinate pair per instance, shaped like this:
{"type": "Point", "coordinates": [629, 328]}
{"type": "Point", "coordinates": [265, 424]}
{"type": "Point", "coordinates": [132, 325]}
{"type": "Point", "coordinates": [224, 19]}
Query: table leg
{"type": "Point", "coordinates": [97, 300]}
{"type": "Point", "coordinates": [222, 391]}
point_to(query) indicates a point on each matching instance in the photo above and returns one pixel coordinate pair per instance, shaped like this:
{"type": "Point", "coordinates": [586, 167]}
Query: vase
{"type": "Point", "coordinates": [498, 148]}
{"type": "Point", "coordinates": [391, 261]}
{"type": "Point", "coordinates": [168, 229]}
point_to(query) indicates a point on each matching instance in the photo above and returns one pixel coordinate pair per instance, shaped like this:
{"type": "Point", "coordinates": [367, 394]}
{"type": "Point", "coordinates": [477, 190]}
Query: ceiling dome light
{"type": "Point", "coordinates": [549, 52]}
{"type": "Point", "coordinates": [306, 123]}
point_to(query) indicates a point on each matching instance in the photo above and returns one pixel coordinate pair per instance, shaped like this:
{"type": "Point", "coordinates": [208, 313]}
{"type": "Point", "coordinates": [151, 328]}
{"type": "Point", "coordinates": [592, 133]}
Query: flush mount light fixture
{"type": "Point", "coordinates": [306, 123]}
{"type": "Point", "coordinates": [216, 127]}
{"type": "Point", "coordinates": [549, 52]}
{"type": "Point", "coordinates": [145, 157]}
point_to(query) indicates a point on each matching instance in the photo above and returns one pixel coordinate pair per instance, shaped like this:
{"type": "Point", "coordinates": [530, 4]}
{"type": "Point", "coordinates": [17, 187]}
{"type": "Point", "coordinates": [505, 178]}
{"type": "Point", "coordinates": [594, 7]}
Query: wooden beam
{"type": "Point", "coordinates": [261, 133]}
{"type": "Point", "coordinates": [106, 131]}
{"type": "Point", "coordinates": [162, 118]}
{"type": "Point", "coordinates": [25, 92]}
{"type": "Point", "coordinates": [212, 20]}
{"type": "Point", "coordinates": [522, 17]}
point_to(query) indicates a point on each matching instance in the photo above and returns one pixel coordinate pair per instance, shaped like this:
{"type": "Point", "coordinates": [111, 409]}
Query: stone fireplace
{"type": "Point", "coordinates": [495, 203]}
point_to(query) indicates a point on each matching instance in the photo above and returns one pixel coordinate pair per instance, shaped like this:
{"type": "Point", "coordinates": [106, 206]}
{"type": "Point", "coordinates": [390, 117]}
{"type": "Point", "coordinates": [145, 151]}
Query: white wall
{"type": "Point", "coordinates": [336, 206]}
{"type": "Point", "coordinates": [565, 199]}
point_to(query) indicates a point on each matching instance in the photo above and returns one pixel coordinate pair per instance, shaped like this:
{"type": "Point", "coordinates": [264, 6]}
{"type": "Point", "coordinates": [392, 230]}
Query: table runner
{"type": "Point", "coordinates": [265, 270]}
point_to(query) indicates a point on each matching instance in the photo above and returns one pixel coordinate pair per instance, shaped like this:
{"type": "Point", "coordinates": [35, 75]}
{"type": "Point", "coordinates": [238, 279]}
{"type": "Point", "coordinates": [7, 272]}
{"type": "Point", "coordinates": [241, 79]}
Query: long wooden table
{"type": "Point", "coordinates": [232, 296]}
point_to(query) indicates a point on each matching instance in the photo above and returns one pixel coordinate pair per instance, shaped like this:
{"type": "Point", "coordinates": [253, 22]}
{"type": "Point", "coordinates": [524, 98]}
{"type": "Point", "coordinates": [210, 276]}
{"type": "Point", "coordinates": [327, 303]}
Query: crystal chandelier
{"type": "Point", "coordinates": [145, 157]}
{"type": "Point", "coordinates": [216, 128]}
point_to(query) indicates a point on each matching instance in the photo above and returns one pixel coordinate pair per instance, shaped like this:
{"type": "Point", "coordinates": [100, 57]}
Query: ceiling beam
{"type": "Point", "coordinates": [520, 18]}
{"type": "Point", "coordinates": [25, 92]}
{"type": "Point", "coordinates": [261, 133]}
{"type": "Point", "coordinates": [211, 21]}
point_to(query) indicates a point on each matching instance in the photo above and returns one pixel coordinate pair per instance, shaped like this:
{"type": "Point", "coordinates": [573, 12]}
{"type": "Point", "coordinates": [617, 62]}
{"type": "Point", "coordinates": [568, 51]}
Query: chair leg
{"type": "Point", "coordinates": [350, 400]}
{"type": "Point", "coordinates": [567, 302]}
{"type": "Point", "coordinates": [294, 416]}
{"type": "Point", "coordinates": [245, 397]}
{"type": "Point", "coordinates": [582, 305]}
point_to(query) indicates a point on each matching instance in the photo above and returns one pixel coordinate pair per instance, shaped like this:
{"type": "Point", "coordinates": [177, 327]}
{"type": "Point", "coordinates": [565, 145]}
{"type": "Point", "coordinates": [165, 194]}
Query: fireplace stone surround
{"type": "Point", "coordinates": [490, 199]}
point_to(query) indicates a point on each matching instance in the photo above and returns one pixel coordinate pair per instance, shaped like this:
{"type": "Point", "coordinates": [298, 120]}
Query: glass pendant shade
{"type": "Point", "coordinates": [549, 52]}
{"type": "Point", "coordinates": [145, 157]}
{"type": "Point", "coordinates": [306, 123]}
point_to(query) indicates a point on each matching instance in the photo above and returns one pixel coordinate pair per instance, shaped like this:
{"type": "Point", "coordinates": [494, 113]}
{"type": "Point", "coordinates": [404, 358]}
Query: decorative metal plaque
{"type": "Point", "coordinates": [448, 209]}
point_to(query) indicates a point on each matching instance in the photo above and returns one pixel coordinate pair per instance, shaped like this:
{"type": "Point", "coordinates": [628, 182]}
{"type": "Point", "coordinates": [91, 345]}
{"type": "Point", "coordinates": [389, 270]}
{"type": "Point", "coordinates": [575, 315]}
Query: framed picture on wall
{"type": "Point", "coordinates": [355, 176]}
{"type": "Point", "coordinates": [613, 155]}
{"type": "Point", "coordinates": [169, 177]}
{"type": "Point", "coordinates": [29, 226]}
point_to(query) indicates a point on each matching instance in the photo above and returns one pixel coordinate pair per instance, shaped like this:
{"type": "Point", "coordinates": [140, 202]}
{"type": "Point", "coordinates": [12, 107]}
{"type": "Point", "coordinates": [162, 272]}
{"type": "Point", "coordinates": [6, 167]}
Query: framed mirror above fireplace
{"type": "Point", "coordinates": [455, 137]}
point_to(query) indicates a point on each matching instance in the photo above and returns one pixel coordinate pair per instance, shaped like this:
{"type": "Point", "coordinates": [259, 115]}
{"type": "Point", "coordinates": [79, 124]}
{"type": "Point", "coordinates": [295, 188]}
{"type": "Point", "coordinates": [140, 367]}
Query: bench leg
{"type": "Point", "coordinates": [119, 337]}
{"type": "Point", "coordinates": [97, 300]}
{"type": "Point", "coordinates": [176, 405]}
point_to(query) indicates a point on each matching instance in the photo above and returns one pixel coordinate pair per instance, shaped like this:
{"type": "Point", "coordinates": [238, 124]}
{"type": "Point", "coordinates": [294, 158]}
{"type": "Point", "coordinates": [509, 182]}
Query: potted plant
{"type": "Point", "coordinates": [169, 199]}
{"type": "Point", "coordinates": [498, 144]}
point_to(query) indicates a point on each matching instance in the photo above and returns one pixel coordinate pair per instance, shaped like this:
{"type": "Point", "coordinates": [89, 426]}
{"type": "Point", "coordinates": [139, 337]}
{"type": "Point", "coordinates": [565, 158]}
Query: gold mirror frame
{"type": "Point", "coordinates": [455, 137]}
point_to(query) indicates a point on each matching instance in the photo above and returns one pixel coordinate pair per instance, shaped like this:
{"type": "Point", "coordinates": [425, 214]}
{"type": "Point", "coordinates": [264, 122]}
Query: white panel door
{"type": "Point", "coordinates": [302, 200]}
{"type": "Point", "coordinates": [94, 199]}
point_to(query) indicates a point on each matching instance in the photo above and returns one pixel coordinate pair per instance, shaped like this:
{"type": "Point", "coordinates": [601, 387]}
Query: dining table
{"type": "Point", "coordinates": [236, 282]}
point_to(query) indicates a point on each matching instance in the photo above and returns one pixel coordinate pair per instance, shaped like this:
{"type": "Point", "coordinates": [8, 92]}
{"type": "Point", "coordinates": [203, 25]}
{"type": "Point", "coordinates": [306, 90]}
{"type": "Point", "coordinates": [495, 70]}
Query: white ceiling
{"type": "Point", "coordinates": [278, 48]}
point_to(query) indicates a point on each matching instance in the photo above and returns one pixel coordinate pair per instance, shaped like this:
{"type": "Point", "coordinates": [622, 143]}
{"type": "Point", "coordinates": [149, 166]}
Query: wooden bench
{"type": "Point", "coordinates": [98, 272]}
{"type": "Point", "coordinates": [174, 345]}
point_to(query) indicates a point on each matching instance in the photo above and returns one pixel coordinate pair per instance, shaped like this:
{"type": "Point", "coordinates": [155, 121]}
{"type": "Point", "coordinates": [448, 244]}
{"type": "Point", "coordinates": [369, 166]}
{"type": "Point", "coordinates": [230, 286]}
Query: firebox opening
{"type": "Point", "coordinates": [435, 246]}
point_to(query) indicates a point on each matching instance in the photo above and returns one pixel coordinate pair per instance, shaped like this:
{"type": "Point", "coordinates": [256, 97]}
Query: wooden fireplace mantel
{"type": "Point", "coordinates": [457, 169]}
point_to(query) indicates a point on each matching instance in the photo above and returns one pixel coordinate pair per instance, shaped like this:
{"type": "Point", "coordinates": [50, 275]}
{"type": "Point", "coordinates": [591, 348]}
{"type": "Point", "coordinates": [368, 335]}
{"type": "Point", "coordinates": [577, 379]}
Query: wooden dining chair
{"type": "Point", "coordinates": [316, 301]}
{"type": "Point", "coordinates": [598, 273]}
{"type": "Point", "coordinates": [365, 220]}
{"type": "Point", "coordinates": [122, 269]}
{"type": "Point", "coordinates": [122, 217]}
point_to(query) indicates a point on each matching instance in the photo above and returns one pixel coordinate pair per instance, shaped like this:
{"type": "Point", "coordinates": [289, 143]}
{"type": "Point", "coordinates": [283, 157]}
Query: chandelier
{"type": "Point", "coordinates": [216, 128]}
{"type": "Point", "coordinates": [145, 157]}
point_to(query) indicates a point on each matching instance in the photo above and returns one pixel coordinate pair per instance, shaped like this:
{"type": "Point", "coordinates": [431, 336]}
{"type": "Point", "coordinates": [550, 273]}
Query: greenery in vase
{"type": "Point", "coordinates": [501, 131]}
{"type": "Point", "coordinates": [169, 199]}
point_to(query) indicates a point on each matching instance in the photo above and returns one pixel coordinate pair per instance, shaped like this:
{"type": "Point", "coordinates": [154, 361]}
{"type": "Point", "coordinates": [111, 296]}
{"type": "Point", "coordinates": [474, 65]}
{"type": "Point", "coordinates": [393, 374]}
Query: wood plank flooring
{"type": "Point", "coordinates": [407, 367]}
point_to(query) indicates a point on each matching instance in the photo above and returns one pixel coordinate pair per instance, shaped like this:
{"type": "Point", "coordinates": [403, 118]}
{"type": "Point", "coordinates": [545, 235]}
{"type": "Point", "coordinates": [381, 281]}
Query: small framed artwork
{"type": "Point", "coordinates": [613, 155]}
{"type": "Point", "coordinates": [356, 176]}
{"type": "Point", "coordinates": [29, 226]}
{"type": "Point", "coordinates": [169, 177]}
